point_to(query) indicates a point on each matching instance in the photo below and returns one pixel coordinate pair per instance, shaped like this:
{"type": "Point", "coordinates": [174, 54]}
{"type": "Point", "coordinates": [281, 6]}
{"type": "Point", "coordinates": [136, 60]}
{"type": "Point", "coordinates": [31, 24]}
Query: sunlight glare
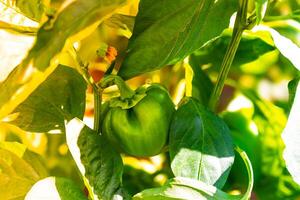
{"type": "Point", "coordinates": [44, 189]}
{"type": "Point", "coordinates": [238, 103]}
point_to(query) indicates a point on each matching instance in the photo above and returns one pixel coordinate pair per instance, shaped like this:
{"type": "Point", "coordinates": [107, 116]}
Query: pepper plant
{"type": "Point", "coordinates": [91, 90]}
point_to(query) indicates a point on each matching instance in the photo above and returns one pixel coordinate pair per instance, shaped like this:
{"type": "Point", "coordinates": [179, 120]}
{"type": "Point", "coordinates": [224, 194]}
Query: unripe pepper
{"type": "Point", "coordinates": [137, 122]}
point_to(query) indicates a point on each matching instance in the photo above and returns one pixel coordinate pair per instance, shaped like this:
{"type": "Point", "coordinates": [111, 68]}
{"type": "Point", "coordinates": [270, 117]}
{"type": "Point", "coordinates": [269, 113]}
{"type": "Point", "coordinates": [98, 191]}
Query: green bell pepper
{"type": "Point", "coordinates": [137, 122]}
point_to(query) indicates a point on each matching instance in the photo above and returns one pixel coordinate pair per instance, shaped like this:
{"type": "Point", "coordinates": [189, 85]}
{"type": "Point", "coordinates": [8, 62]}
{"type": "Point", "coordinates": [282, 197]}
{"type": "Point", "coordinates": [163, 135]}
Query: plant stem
{"type": "Point", "coordinates": [225, 67]}
{"type": "Point", "coordinates": [97, 91]}
{"type": "Point", "coordinates": [241, 23]}
{"type": "Point", "coordinates": [97, 109]}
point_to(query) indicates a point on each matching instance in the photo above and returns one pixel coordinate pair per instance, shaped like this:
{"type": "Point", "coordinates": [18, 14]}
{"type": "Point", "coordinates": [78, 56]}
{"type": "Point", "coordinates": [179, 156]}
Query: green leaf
{"type": "Point", "coordinates": [292, 90]}
{"type": "Point", "coordinates": [250, 48]}
{"type": "Point", "coordinates": [55, 188]}
{"type": "Point", "coordinates": [100, 165]}
{"type": "Point", "coordinates": [291, 138]}
{"type": "Point", "coordinates": [270, 121]}
{"type": "Point", "coordinates": [201, 84]}
{"type": "Point", "coordinates": [180, 188]}
{"type": "Point", "coordinates": [200, 144]}
{"type": "Point", "coordinates": [14, 147]}
{"type": "Point", "coordinates": [20, 167]}
{"type": "Point", "coordinates": [260, 8]}
{"type": "Point", "coordinates": [184, 189]}
{"type": "Point", "coordinates": [80, 18]}
{"type": "Point", "coordinates": [37, 163]}
{"type": "Point", "coordinates": [168, 31]}
{"type": "Point", "coordinates": [123, 23]}
{"type": "Point", "coordinates": [263, 142]}
{"type": "Point", "coordinates": [32, 9]}
{"type": "Point", "coordinates": [240, 124]}
{"type": "Point", "coordinates": [18, 29]}
{"type": "Point", "coordinates": [290, 133]}
{"type": "Point", "coordinates": [34, 159]}
{"type": "Point", "coordinates": [286, 46]}
{"type": "Point", "coordinates": [17, 172]}
{"type": "Point", "coordinates": [60, 97]}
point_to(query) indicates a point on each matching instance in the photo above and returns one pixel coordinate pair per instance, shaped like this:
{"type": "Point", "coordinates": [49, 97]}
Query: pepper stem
{"type": "Point", "coordinates": [125, 91]}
